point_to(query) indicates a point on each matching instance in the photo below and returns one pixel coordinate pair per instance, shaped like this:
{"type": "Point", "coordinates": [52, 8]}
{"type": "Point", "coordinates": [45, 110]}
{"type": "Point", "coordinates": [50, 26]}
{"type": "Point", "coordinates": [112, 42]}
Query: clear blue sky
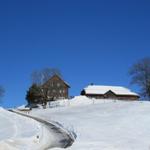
{"type": "Point", "coordinates": [88, 40]}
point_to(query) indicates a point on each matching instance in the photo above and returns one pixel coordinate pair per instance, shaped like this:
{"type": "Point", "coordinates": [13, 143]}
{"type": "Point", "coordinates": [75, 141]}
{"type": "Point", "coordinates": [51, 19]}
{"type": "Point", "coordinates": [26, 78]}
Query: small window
{"type": "Point", "coordinates": [58, 84]}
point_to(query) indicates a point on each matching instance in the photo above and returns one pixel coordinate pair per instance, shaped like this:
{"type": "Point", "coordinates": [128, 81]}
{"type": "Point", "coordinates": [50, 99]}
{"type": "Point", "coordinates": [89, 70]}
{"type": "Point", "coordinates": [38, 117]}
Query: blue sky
{"type": "Point", "coordinates": [88, 40]}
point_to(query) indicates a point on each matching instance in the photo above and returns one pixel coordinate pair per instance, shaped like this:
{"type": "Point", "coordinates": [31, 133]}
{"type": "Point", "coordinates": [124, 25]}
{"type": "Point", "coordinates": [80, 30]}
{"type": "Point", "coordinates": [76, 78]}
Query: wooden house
{"type": "Point", "coordinates": [109, 92]}
{"type": "Point", "coordinates": [56, 88]}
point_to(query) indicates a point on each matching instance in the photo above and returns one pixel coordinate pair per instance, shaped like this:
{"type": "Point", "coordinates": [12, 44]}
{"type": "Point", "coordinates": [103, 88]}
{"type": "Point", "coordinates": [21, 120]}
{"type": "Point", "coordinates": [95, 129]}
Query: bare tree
{"type": "Point", "coordinates": [2, 92]}
{"type": "Point", "coordinates": [140, 73]}
{"type": "Point", "coordinates": [40, 77]}
{"type": "Point", "coordinates": [36, 77]}
{"type": "Point", "coordinates": [45, 97]}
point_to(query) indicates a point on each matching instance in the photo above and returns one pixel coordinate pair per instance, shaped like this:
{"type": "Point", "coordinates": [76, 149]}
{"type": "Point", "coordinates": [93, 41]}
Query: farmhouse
{"type": "Point", "coordinates": [109, 92]}
{"type": "Point", "coordinates": [56, 88]}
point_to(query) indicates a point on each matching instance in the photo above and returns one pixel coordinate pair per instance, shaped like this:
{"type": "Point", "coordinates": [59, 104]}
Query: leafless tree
{"type": "Point", "coordinates": [140, 73]}
{"type": "Point", "coordinates": [45, 97]}
{"type": "Point", "coordinates": [36, 77]}
{"type": "Point", "coordinates": [2, 92]}
{"type": "Point", "coordinates": [40, 77]}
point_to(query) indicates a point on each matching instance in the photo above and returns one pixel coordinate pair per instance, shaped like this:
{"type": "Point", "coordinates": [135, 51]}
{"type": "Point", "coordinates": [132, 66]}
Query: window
{"type": "Point", "coordinates": [58, 84]}
{"type": "Point", "coordinates": [54, 91]}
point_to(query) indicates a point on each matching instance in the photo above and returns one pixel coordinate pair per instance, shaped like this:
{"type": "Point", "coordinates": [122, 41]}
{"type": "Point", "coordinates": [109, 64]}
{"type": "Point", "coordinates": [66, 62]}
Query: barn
{"type": "Point", "coordinates": [109, 92]}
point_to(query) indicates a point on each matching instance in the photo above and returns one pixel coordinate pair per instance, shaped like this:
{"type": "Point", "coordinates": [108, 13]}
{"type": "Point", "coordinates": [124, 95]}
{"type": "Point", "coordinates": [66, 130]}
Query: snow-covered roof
{"type": "Point", "coordinates": [100, 89]}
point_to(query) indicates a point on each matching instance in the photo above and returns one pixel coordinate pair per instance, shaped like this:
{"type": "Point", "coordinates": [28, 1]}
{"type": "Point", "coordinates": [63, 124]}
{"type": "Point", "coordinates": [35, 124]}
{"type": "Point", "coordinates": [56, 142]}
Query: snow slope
{"type": "Point", "coordinates": [103, 124]}
{"type": "Point", "coordinates": [22, 133]}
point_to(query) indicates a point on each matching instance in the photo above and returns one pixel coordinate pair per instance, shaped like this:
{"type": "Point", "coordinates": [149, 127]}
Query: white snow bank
{"type": "Point", "coordinates": [76, 101]}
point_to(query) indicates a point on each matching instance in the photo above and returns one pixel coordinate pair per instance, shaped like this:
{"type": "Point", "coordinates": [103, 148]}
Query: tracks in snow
{"type": "Point", "coordinates": [65, 138]}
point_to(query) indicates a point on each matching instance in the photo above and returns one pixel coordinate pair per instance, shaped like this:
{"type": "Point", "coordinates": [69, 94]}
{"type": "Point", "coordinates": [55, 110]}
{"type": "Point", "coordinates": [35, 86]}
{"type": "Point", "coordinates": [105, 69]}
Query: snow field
{"type": "Point", "coordinates": [104, 124]}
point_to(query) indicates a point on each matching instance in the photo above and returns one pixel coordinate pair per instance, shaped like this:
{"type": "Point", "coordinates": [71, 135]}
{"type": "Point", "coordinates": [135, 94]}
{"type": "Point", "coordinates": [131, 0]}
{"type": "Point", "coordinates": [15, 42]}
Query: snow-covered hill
{"type": "Point", "coordinates": [98, 124]}
{"type": "Point", "coordinates": [103, 124]}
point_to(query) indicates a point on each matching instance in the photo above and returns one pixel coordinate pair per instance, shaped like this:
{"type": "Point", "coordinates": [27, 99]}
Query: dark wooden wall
{"type": "Point", "coordinates": [57, 88]}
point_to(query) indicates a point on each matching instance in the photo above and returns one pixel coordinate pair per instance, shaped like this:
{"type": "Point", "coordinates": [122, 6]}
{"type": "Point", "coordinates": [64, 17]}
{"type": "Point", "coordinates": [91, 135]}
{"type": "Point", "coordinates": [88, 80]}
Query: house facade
{"type": "Point", "coordinates": [56, 88]}
{"type": "Point", "coordinates": [109, 92]}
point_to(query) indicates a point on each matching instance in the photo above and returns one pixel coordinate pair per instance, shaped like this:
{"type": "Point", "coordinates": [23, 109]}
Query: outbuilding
{"type": "Point", "coordinates": [109, 92]}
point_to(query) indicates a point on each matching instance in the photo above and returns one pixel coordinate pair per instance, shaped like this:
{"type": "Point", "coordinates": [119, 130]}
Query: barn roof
{"type": "Point", "coordinates": [101, 89]}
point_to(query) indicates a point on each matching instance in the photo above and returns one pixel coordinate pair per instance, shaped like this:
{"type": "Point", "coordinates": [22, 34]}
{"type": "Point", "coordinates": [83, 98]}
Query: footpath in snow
{"type": "Point", "coordinates": [23, 132]}
{"type": "Point", "coordinates": [63, 138]}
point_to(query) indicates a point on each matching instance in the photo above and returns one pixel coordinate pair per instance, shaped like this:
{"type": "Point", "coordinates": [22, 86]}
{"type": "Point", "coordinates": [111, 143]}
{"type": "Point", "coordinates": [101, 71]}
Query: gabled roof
{"type": "Point", "coordinates": [100, 89]}
{"type": "Point", "coordinates": [56, 75]}
{"type": "Point", "coordinates": [108, 92]}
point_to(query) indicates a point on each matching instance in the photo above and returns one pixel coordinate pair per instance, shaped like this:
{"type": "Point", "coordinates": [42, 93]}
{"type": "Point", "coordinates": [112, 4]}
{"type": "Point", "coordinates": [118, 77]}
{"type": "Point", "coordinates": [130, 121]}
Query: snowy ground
{"type": "Point", "coordinates": [22, 133]}
{"type": "Point", "coordinates": [103, 124]}
{"type": "Point", "coordinates": [99, 125]}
